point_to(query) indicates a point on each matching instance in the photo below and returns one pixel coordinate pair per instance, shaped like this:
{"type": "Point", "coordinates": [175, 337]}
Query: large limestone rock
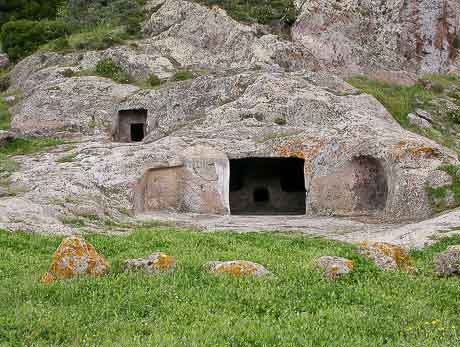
{"type": "Point", "coordinates": [75, 257]}
{"type": "Point", "coordinates": [194, 35]}
{"type": "Point", "coordinates": [255, 100]}
{"type": "Point", "coordinates": [448, 262]}
{"type": "Point", "coordinates": [237, 268]}
{"type": "Point", "coordinates": [358, 160]}
{"type": "Point", "coordinates": [361, 36]}
{"type": "Point", "coordinates": [388, 257]}
{"type": "Point", "coordinates": [157, 262]}
{"type": "Point", "coordinates": [334, 267]}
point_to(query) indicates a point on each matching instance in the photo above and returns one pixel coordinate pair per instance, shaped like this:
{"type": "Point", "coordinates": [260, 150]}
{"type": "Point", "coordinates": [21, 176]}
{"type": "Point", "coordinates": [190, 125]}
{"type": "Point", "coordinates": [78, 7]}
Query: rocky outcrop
{"type": "Point", "coordinates": [195, 128]}
{"type": "Point", "coordinates": [448, 262]}
{"type": "Point", "coordinates": [388, 257]}
{"type": "Point", "coordinates": [237, 268]}
{"type": "Point", "coordinates": [69, 105]}
{"type": "Point", "coordinates": [194, 35]}
{"type": "Point", "coordinates": [355, 159]}
{"type": "Point", "coordinates": [157, 262]}
{"type": "Point", "coordinates": [75, 257]}
{"type": "Point", "coordinates": [352, 37]}
{"type": "Point", "coordinates": [334, 267]}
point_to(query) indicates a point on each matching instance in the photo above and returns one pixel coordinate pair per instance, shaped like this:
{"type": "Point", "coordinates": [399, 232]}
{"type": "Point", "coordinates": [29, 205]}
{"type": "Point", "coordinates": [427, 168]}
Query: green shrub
{"type": "Point", "coordinates": [183, 75]}
{"type": "Point", "coordinates": [26, 9]}
{"type": "Point", "coordinates": [5, 115]}
{"type": "Point", "coordinates": [259, 11]}
{"type": "Point", "coordinates": [280, 121]}
{"type": "Point", "coordinates": [153, 80]}
{"type": "Point", "coordinates": [23, 37]}
{"type": "Point", "coordinates": [68, 73]}
{"type": "Point", "coordinates": [60, 44]}
{"type": "Point", "coordinates": [107, 68]}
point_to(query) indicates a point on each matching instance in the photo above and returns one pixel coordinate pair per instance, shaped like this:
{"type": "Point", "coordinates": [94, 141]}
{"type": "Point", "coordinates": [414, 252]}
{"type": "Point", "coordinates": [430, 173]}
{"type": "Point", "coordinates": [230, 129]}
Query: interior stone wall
{"type": "Point", "coordinates": [160, 189]}
{"type": "Point", "coordinates": [267, 186]}
{"type": "Point", "coordinates": [359, 188]}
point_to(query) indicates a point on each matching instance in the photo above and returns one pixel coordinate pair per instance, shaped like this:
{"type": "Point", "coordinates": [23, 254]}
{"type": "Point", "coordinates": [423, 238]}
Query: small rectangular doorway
{"type": "Point", "coordinates": [132, 125]}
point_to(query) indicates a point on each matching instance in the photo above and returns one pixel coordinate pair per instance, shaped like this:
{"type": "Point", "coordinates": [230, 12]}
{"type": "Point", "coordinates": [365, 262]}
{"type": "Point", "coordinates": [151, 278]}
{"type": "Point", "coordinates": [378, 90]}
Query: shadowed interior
{"type": "Point", "coordinates": [267, 186]}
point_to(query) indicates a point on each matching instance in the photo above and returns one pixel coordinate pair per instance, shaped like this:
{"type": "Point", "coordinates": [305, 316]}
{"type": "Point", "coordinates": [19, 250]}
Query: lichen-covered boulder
{"type": "Point", "coordinates": [334, 267]}
{"type": "Point", "coordinates": [388, 257]}
{"type": "Point", "coordinates": [75, 257]}
{"type": "Point", "coordinates": [448, 262]}
{"type": "Point", "coordinates": [237, 268]}
{"type": "Point", "coordinates": [157, 262]}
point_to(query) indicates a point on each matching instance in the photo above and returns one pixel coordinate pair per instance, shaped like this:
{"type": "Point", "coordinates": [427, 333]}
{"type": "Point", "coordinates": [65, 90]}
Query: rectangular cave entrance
{"type": "Point", "coordinates": [267, 186]}
{"type": "Point", "coordinates": [131, 125]}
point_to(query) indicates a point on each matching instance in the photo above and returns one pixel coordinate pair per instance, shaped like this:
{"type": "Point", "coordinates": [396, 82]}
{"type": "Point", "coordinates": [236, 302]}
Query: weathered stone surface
{"type": "Point", "coordinates": [157, 262]}
{"type": "Point", "coordinates": [358, 160]}
{"type": "Point", "coordinates": [194, 128]}
{"type": "Point", "coordinates": [237, 268]}
{"type": "Point", "coordinates": [73, 105]}
{"type": "Point", "coordinates": [448, 262]}
{"type": "Point", "coordinates": [4, 61]}
{"type": "Point", "coordinates": [334, 267]}
{"type": "Point", "coordinates": [194, 35]}
{"type": "Point", "coordinates": [361, 36]}
{"type": "Point", "coordinates": [388, 257]}
{"type": "Point", "coordinates": [75, 257]}
{"type": "Point", "coordinates": [420, 122]}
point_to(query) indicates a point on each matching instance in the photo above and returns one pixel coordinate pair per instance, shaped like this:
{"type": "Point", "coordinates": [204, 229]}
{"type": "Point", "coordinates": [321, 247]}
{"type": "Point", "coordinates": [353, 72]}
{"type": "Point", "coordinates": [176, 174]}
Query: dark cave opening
{"type": "Point", "coordinates": [267, 186]}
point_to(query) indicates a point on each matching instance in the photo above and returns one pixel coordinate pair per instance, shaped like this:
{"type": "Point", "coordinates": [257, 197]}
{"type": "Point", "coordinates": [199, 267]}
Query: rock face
{"type": "Point", "coordinates": [334, 267]}
{"type": "Point", "coordinates": [75, 257]}
{"type": "Point", "coordinates": [313, 144]}
{"type": "Point", "coordinates": [237, 268]}
{"type": "Point", "coordinates": [448, 262]}
{"type": "Point", "coordinates": [194, 35]}
{"type": "Point", "coordinates": [350, 37]}
{"type": "Point", "coordinates": [156, 263]}
{"type": "Point", "coordinates": [352, 157]}
{"type": "Point", "coordinates": [388, 257]}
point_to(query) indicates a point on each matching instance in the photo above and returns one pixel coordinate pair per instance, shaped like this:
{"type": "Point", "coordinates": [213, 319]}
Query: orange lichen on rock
{"type": "Point", "coordinates": [237, 268]}
{"type": "Point", "coordinates": [75, 257]}
{"type": "Point", "coordinates": [334, 267]}
{"type": "Point", "coordinates": [387, 256]}
{"type": "Point", "coordinates": [406, 150]}
{"type": "Point", "coordinates": [292, 149]}
{"type": "Point", "coordinates": [156, 263]}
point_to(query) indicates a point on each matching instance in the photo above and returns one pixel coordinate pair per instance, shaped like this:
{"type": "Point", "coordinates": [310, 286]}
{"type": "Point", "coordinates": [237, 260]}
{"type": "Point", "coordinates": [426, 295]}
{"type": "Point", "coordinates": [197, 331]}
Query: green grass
{"type": "Point", "coordinates": [95, 38]}
{"type": "Point", "coordinates": [28, 146]}
{"type": "Point", "coordinates": [402, 100]}
{"type": "Point", "coordinates": [5, 116]}
{"type": "Point", "coordinates": [438, 196]}
{"type": "Point", "coordinates": [296, 307]}
{"type": "Point", "coordinates": [398, 100]}
{"type": "Point", "coordinates": [21, 147]}
{"type": "Point", "coordinates": [69, 158]}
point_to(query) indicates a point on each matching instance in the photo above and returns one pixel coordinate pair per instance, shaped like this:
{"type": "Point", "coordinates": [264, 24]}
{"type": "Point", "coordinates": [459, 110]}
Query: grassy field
{"type": "Point", "coordinates": [296, 307]}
